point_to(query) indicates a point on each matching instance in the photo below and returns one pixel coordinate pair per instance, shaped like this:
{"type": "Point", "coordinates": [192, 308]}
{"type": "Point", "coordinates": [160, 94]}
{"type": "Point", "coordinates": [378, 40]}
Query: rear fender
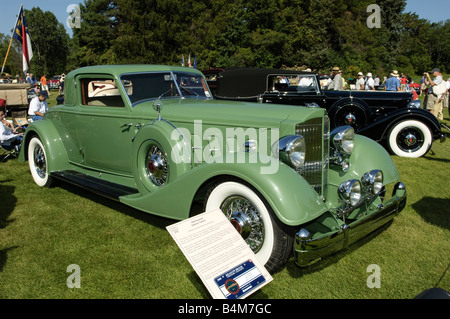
{"type": "Point", "coordinates": [54, 148]}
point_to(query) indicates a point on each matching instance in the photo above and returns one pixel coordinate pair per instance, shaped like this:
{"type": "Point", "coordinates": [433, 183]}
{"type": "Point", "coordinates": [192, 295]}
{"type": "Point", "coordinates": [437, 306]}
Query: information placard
{"type": "Point", "coordinates": [222, 259]}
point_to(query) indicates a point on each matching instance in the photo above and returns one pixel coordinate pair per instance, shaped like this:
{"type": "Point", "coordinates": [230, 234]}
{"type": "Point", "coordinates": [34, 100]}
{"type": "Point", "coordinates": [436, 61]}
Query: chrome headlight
{"type": "Point", "coordinates": [373, 181]}
{"type": "Point", "coordinates": [291, 150]}
{"type": "Point", "coordinates": [350, 192]}
{"type": "Point", "coordinates": [343, 138]}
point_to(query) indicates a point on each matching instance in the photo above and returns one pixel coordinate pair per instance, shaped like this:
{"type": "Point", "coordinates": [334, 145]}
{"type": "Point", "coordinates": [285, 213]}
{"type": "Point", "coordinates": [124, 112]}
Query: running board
{"type": "Point", "coordinates": [100, 187]}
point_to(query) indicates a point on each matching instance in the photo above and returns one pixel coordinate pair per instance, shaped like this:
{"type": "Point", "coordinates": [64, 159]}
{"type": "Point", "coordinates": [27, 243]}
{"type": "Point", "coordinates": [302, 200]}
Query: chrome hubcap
{"type": "Point", "coordinates": [245, 217]}
{"type": "Point", "coordinates": [39, 162]}
{"type": "Point", "coordinates": [156, 166]}
{"type": "Point", "coordinates": [350, 119]}
{"type": "Point", "coordinates": [410, 139]}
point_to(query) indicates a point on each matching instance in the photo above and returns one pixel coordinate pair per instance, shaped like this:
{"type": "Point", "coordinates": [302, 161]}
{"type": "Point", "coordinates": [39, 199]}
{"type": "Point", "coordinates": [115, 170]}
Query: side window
{"type": "Point", "coordinates": [100, 92]}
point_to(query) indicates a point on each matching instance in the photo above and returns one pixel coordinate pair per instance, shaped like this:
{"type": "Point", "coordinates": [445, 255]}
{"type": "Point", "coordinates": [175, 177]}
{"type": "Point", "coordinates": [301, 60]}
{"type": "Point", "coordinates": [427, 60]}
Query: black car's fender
{"type": "Point", "coordinates": [379, 129]}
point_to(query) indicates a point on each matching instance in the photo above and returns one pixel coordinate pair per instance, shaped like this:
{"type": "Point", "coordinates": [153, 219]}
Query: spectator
{"type": "Point", "coordinates": [44, 85]}
{"type": "Point", "coordinates": [436, 97]}
{"type": "Point", "coordinates": [359, 85]}
{"type": "Point", "coordinates": [403, 83]}
{"type": "Point", "coordinates": [31, 79]}
{"type": "Point", "coordinates": [61, 84]}
{"type": "Point", "coordinates": [392, 83]}
{"type": "Point", "coordinates": [447, 94]}
{"type": "Point", "coordinates": [336, 80]}
{"type": "Point", "coordinates": [423, 86]}
{"type": "Point", "coordinates": [38, 106]}
{"type": "Point", "coordinates": [370, 83]}
{"type": "Point", "coordinates": [7, 130]}
{"type": "Point", "coordinates": [376, 81]}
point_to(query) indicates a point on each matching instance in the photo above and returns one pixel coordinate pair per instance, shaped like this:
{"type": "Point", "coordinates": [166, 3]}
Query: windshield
{"type": "Point", "coordinates": [142, 87]}
{"type": "Point", "coordinates": [293, 82]}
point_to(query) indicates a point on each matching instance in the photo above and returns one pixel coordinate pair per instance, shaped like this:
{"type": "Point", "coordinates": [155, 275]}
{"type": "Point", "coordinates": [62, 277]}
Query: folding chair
{"type": "Point", "coordinates": [10, 148]}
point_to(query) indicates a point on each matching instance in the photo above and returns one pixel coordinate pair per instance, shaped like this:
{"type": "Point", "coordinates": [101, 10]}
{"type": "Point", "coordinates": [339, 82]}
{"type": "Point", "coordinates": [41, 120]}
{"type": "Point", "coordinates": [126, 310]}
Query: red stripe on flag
{"type": "Point", "coordinates": [25, 45]}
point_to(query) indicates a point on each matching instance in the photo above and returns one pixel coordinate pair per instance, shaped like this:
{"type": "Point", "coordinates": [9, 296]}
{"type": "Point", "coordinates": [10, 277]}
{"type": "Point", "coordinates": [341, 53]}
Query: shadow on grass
{"type": "Point", "coordinates": [323, 263]}
{"type": "Point", "coordinates": [4, 256]}
{"type": "Point", "coordinates": [150, 219]}
{"type": "Point", "coordinates": [7, 203]}
{"type": "Point", "coordinates": [435, 211]}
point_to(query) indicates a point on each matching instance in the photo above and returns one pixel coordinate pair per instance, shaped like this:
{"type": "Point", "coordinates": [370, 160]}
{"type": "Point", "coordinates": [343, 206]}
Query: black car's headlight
{"type": "Point", "coordinates": [343, 139]}
{"type": "Point", "coordinates": [291, 150]}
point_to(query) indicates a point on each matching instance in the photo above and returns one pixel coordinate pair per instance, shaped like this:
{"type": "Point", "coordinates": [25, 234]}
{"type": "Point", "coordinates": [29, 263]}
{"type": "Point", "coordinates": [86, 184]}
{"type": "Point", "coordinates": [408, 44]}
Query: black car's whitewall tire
{"type": "Point", "coordinates": [254, 219]}
{"type": "Point", "coordinates": [410, 138]}
{"type": "Point", "coordinates": [37, 159]}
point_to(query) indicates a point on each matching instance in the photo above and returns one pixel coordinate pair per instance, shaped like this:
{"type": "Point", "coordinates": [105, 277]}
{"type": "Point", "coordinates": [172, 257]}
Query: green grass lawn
{"type": "Point", "coordinates": [124, 253]}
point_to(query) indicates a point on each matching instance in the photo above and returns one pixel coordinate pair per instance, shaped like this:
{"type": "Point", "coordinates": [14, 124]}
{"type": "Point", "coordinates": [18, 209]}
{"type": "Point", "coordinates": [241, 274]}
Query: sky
{"type": "Point", "coordinates": [10, 8]}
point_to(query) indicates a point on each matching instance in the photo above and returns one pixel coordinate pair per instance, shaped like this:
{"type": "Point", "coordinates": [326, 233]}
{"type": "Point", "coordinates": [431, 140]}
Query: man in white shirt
{"type": "Point", "coordinates": [38, 107]}
{"type": "Point", "coordinates": [7, 130]}
{"type": "Point", "coordinates": [336, 82]}
{"type": "Point", "coordinates": [370, 83]}
{"type": "Point", "coordinates": [437, 97]}
{"type": "Point", "coordinates": [359, 85]}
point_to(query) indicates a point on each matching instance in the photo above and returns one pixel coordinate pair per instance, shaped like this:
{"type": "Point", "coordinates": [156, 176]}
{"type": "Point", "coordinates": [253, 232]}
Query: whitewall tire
{"type": "Point", "coordinates": [37, 159]}
{"type": "Point", "coordinates": [410, 138]}
{"type": "Point", "coordinates": [252, 217]}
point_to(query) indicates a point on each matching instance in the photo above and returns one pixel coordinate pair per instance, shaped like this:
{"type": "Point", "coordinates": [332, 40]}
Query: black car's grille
{"type": "Point", "coordinates": [316, 135]}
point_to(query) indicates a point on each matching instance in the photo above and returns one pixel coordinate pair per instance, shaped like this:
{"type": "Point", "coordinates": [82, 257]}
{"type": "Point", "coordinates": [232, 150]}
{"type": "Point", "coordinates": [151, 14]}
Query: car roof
{"type": "Point", "coordinates": [253, 80]}
{"type": "Point", "coordinates": [118, 69]}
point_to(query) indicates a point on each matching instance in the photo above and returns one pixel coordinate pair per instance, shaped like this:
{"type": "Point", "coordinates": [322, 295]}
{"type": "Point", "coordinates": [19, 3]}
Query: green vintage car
{"type": "Point", "coordinates": [153, 138]}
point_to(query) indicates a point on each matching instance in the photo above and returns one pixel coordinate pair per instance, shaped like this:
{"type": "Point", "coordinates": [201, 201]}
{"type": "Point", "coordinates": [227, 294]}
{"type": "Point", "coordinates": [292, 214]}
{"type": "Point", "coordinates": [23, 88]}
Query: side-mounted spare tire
{"type": "Point", "coordinates": [350, 112]}
{"type": "Point", "coordinates": [160, 155]}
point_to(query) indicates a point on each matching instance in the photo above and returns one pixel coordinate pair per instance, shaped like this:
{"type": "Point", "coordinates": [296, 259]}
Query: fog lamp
{"type": "Point", "coordinates": [373, 181]}
{"type": "Point", "coordinates": [350, 191]}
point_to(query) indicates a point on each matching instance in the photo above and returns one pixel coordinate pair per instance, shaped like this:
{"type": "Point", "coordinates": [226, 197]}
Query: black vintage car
{"type": "Point", "coordinates": [390, 118]}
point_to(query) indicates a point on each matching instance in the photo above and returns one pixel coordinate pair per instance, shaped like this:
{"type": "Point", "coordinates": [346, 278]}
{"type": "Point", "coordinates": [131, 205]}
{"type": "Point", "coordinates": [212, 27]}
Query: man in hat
{"type": "Point", "coordinates": [370, 83]}
{"type": "Point", "coordinates": [38, 106]}
{"type": "Point", "coordinates": [336, 82]}
{"type": "Point", "coordinates": [436, 93]}
{"type": "Point", "coordinates": [359, 85]}
{"type": "Point", "coordinates": [392, 83]}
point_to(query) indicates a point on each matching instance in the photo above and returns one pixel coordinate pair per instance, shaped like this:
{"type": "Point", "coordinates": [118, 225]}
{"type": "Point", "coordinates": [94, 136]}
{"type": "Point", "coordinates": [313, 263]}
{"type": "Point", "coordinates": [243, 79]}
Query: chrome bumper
{"type": "Point", "coordinates": [307, 248]}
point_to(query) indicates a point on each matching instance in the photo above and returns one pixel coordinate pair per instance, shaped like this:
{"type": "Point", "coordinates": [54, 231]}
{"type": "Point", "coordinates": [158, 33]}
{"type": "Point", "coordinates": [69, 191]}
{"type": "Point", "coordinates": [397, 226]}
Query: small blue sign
{"type": "Point", "coordinates": [240, 280]}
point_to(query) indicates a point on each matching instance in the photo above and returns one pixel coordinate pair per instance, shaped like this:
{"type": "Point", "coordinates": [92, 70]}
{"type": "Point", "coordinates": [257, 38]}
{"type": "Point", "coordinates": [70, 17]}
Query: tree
{"type": "Point", "coordinates": [13, 65]}
{"type": "Point", "coordinates": [49, 40]}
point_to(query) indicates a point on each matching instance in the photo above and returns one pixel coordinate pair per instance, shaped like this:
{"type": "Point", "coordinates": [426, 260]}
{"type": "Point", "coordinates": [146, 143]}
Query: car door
{"type": "Point", "coordinates": [106, 126]}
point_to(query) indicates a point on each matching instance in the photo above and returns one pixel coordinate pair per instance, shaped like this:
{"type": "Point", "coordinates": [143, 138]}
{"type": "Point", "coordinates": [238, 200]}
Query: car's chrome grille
{"type": "Point", "coordinates": [315, 170]}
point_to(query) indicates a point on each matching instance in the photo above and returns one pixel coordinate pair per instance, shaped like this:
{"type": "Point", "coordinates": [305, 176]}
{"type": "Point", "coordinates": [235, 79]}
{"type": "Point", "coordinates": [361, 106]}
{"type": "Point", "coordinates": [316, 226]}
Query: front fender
{"type": "Point", "coordinates": [292, 199]}
{"type": "Point", "coordinates": [57, 158]}
{"type": "Point", "coordinates": [379, 129]}
{"type": "Point", "coordinates": [366, 156]}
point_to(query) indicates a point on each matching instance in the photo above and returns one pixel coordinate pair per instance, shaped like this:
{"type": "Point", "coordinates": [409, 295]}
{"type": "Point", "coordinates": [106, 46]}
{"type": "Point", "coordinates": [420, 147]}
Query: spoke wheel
{"type": "Point", "coordinates": [37, 159]}
{"type": "Point", "coordinates": [252, 217]}
{"type": "Point", "coordinates": [156, 165]}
